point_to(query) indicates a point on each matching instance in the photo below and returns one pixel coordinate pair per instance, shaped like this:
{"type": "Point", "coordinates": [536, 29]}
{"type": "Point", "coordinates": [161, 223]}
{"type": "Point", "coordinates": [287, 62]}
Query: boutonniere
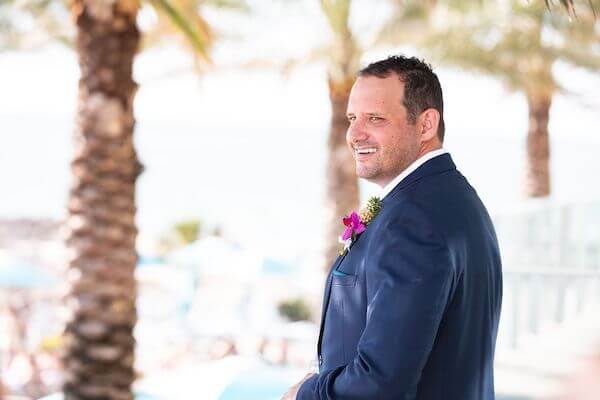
{"type": "Point", "coordinates": [356, 223]}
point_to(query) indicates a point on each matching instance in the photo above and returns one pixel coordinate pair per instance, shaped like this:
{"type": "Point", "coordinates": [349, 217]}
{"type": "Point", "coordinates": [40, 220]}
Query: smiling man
{"type": "Point", "coordinates": [411, 308]}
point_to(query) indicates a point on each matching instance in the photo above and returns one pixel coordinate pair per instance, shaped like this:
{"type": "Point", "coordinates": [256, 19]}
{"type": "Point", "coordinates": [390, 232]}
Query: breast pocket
{"type": "Point", "coordinates": [343, 280]}
{"type": "Point", "coordinates": [343, 296]}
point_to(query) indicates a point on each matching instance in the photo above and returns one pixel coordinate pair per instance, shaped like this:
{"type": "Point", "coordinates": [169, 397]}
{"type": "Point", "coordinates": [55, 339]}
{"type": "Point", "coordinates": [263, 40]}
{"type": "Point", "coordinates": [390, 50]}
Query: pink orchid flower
{"type": "Point", "coordinates": [353, 226]}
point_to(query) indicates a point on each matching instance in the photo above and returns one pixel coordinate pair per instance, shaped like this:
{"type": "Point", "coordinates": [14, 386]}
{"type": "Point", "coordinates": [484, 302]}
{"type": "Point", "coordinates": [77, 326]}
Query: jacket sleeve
{"type": "Point", "coordinates": [410, 278]}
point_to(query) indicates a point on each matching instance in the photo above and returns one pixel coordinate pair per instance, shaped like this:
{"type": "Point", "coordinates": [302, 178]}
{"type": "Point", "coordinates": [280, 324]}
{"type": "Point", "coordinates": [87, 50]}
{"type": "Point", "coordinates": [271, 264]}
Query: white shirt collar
{"type": "Point", "coordinates": [411, 168]}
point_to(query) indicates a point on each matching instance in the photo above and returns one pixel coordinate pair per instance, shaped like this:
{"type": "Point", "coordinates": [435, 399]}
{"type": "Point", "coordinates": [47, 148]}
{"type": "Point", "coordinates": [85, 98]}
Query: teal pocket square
{"type": "Point", "coordinates": [339, 273]}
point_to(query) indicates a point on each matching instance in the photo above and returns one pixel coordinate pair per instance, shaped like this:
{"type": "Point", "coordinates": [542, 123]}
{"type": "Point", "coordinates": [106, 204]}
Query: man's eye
{"type": "Point", "coordinates": [351, 118]}
{"type": "Point", "coordinates": [375, 119]}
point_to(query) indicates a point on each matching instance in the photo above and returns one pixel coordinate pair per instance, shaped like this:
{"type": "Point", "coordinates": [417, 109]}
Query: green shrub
{"type": "Point", "coordinates": [188, 231]}
{"type": "Point", "coordinates": [294, 310]}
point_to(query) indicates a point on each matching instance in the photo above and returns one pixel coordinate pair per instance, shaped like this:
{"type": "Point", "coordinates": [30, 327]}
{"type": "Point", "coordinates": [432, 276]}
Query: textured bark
{"type": "Point", "coordinates": [98, 353]}
{"type": "Point", "coordinates": [538, 147]}
{"type": "Point", "coordinates": [342, 183]}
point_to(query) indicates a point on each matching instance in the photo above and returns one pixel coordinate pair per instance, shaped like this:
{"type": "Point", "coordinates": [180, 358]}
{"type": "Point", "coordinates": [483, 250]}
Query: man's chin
{"type": "Point", "coordinates": [370, 176]}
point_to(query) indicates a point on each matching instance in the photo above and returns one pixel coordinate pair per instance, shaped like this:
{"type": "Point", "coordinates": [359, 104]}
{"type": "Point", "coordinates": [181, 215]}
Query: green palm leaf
{"type": "Point", "coordinates": [569, 5]}
{"type": "Point", "coordinates": [197, 34]}
{"type": "Point", "coordinates": [49, 20]}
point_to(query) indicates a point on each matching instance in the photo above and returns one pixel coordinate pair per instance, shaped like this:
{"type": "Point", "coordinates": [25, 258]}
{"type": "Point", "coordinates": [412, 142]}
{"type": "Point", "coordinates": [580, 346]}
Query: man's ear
{"type": "Point", "coordinates": [428, 123]}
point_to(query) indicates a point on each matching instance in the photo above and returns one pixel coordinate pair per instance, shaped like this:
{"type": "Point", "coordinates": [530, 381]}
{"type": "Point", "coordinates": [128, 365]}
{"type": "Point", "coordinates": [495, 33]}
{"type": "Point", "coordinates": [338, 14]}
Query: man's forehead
{"type": "Point", "coordinates": [374, 92]}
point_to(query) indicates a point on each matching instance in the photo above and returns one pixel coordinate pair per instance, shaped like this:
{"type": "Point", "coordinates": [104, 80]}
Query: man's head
{"type": "Point", "coordinates": [395, 112]}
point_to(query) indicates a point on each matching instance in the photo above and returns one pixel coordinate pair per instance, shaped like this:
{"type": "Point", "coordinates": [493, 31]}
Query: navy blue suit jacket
{"type": "Point", "coordinates": [412, 310]}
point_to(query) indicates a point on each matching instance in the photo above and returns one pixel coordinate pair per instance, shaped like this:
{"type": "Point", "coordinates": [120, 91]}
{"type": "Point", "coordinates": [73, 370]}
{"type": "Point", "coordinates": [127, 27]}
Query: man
{"type": "Point", "coordinates": [411, 309]}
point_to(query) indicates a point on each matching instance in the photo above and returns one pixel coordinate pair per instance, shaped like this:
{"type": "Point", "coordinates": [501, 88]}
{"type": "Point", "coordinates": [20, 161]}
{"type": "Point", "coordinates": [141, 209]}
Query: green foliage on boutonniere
{"type": "Point", "coordinates": [371, 210]}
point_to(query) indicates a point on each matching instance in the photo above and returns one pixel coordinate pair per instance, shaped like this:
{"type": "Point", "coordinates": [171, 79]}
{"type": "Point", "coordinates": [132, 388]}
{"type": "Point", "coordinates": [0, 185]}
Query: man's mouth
{"type": "Point", "coordinates": [364, 151]}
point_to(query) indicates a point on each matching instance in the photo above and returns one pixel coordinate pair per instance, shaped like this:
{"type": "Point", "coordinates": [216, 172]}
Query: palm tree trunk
{"type": "Point", "coordinates": [342, 183]}
{"type": "Point", "coordinates": [538, 147]}
{"type": "Point", "coordinates": [98, 354]}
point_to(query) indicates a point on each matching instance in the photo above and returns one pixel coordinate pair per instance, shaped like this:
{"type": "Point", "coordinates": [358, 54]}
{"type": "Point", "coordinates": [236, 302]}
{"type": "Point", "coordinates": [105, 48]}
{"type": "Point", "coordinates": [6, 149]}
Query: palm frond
{"type": "Point", "coordinates": [237, 5]}
{"type": "Point", "coordinates": [49, 20]}
{"type": "Point", "coordinates": [195, 31]}
{"type": "Point", "coordinates": [404, 24]}
{"type": "Point", "coordinates": [569, 6]}
{"type": "Point", "coordinates": [344, 53]}
{"type": "Point", "coordinates": [337, 13]}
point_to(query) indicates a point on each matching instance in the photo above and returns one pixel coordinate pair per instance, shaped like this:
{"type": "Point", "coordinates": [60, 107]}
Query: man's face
{"type": "Point", "coordinates": [381, 139]}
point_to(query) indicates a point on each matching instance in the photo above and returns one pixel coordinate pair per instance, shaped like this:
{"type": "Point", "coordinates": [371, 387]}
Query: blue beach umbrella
{"type": "Point", "coordinates": [271, 266]}
{"type": "Point", "coordinates": [137, 396]}
{"type": "Point", "coordinates": [263, 383]}
{"type": "Point", "coordinates": [18, 274]}
{"type": "Point", "coordinates": [145, 260]}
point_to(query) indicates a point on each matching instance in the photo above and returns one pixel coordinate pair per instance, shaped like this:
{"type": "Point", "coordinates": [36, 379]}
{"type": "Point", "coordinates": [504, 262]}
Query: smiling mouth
{"type": "Point", "coordinates": [364, 151]}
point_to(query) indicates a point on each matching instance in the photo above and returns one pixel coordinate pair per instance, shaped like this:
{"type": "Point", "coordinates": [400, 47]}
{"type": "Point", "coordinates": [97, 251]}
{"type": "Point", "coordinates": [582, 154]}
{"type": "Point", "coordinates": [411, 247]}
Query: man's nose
{"type": "Point", "coordinates": [356, 133]}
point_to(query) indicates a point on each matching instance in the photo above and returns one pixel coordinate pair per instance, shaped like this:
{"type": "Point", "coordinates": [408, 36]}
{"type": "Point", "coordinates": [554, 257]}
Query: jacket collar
{"type": "Point", "coordinates": [434, 166]}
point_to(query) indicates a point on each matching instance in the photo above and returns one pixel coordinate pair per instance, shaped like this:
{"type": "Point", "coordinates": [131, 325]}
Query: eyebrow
{"type": "Point", "coordinates": [370, 114]}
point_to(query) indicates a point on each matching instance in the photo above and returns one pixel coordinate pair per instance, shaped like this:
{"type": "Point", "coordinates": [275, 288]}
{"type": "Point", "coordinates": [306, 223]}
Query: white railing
{"type": "Point", "coordinates": [545, 234]}
{"type": "Point", "coordinates": [551, 258]}
{"type": "Point", "coordinates": [538, 299]}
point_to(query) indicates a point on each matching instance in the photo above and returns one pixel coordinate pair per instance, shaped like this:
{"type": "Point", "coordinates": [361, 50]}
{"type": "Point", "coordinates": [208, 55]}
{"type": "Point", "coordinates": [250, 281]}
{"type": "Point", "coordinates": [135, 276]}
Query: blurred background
{"type": "Point", "coordinates": [174, 174]}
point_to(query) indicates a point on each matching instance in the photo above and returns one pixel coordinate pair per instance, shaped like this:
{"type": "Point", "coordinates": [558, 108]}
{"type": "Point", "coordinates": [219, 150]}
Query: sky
{"type": "Point", "coordinates": [245, 148]}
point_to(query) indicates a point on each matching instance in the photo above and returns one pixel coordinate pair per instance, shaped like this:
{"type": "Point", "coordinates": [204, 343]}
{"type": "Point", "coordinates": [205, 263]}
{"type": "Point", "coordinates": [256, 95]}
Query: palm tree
{"type": "Point", "coordinates": [98, 350]}
{"type": "Point", "coordinates": [519, 42]}
{"type": "Point", "coordinates": [342, 193]}
{"type": "Point", "coordinates": [99, 342]}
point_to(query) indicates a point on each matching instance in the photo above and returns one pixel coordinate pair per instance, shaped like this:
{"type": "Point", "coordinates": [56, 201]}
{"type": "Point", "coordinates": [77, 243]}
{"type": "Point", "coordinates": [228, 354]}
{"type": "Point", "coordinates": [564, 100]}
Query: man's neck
{"type": "Point", "coordinates": [428, 148]}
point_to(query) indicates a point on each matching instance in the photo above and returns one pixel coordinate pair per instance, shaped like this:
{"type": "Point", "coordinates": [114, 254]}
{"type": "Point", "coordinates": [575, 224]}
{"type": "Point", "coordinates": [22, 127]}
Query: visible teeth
{"type": "Point", "coordinates": [365, 151]}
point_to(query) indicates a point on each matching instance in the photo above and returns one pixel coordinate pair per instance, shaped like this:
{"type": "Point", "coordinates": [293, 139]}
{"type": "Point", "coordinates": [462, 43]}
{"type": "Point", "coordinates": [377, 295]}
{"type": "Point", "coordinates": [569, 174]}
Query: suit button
{"type": "Point", "coordinates": [320, 360]}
